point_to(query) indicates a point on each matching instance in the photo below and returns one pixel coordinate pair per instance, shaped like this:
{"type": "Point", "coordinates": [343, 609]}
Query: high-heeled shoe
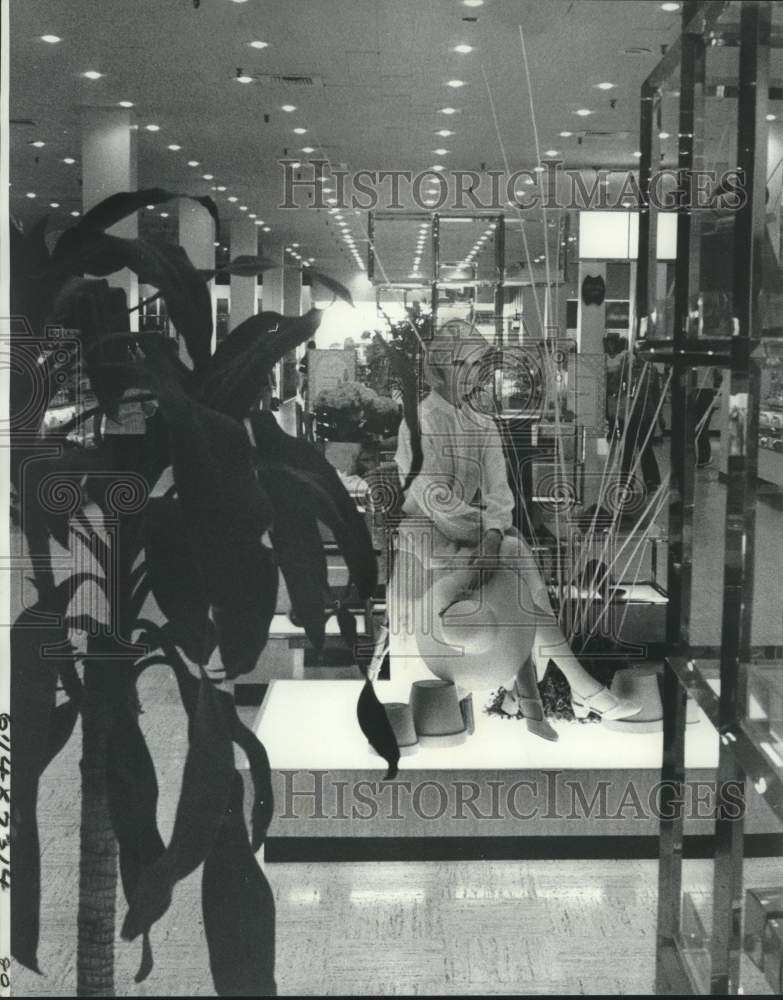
{"type": "Point", "coordinates": [532, 711]}
{"type": "Point", "coordinates": [604, 704]}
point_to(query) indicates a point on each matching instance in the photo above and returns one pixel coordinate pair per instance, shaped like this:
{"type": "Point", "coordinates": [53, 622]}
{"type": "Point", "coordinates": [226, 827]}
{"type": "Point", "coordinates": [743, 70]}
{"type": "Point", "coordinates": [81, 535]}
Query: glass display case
{"type": "Point", "coordinates": [717, 312]}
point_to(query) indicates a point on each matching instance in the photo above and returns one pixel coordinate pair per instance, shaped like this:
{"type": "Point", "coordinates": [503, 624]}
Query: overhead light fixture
{"type": "Point", "coordinates": [463, 49]}
{"type": "Point", "coordinates": [233, 197]}
{"type": "Point", "coordinates": [300, 130]}
{"type": "Point", "coordinates": [638, 154]}
{"type": "Point", "coordinates": [208, 177]}
{"type": "Point", "coordinates": [31, 194]}
{"type": "Point", "coordinates": [771, 118]}
{"type": "Point", "coordinates": [164, 215]}
{"type": "Point", "coordinates": [267, 229]}
{"type": "Point", "coordinates": [243, 77]}
{"type": "Point", "coordinates": [455, 84]}
{"type": "Point", "coordinates": [75, 214]}
{"type": "Point", "coordinates": [308, 149]}
{"type": "Point", "coordinates": [125, 104]}
{"type": "Point", "coordinates": [152, 128]}
{"type": "Point", "coordinates": [538, 170]}
{"type": "Point", "coordinates": [51, 39]}
{"type": "Point", "coordinates": [251, 215]}
{"type": "Point", "coordinates": [288, 107]}
{"type": "Point", "coordinates": [174, 147]}
{"type": "Point", "coordinates": [243, 208]}
{"type": "Point", "coordinates": [605, 85]}
{"type": "Point", "coordinates": [550, 152]}
{"type": "Point", "coordinates": [440, 152]}
{"type": "Point", "coordinates": [438, 166]}
{"type": "Point", "coordinates": [663, 135]}
{"type": "Point", "coordinates": [39, 143]}
{"type": "Point", "coordinates": [149, 207]}
{"type": "Point", "coordinates": [331, 201]}
{"type": "Point", "coordinates": [448, 111]}
{"type": "Point", "coordinates": [54, 204]}
{"type": "Point", "coordinates": [584, 112]}
{"type": "Point", "coordinates": [193, 163]}
{"type": "Point", "coordinates": [444, 132]}
{"type": "Point", "coordinates": [295, 164]}
{"type": "Point", "coordinates": [69, 160]}
{"type": "Point", "coordinates": [259, 45]}
{"type": "Point", "coordinates": [221, 187]}
{"type": "Point", "coordinates": [472, 3]}
{"type": "Point", "coordinates": [670, 8]}
{"type": "Point", "coordinates": [566, 135]}
{"type": "Point", "coordinates": [259, 222]}
{"type": "Point", "coordinates": [92, 74]}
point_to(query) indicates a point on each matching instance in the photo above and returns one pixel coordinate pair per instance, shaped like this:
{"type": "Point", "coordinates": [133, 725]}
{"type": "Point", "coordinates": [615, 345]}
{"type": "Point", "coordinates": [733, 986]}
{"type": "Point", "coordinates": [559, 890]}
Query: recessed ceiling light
{"type": "Point", "coordinates": [605, 85]}
{"type": "Point", "coordinates": [584, 112]}
{"type": "Point", "coordinates": [208, 177]}
{"type": "Point", "coordinates": [259, 222]}
{"type": "Point", "coordinates": [75, 214]}
{"type": "Point", "coordinates": [125, 104]}
{"type": "Point", "coordinates": [51, 39]}
{"type": "Point", "coordinates": [455, 84]}
{"type": "Point", "coordinates": [473, 3]}
{"type": "Point", "coordinates": [663, 135]}
{"type": "Point", "coordinates": [149, 207]}
{"type": "Point", "coordinates": [440, 152]}
{"type": "Point", "coordinates": [31, 194]}
{"type": "Point", "coordinates": [251, 215]}
{"type": "Point", "coordinates": [174, 147]}
{"type": "Point", "coordinates": [444, 132]}
{"type": "Point", "coordinates": [566, 135]}
{"type": "Point", "coordinates": [54, 204]}
{"type": "Point", "coordinates": [259, 45]}
{"type": "Point", "coordinates": [193, 163]}
{"type": "Point", "coordinates": [221, 187]}
{"type": "Point", "coordinates": [39, 143]}
{"type": "Point", "coordinates": [295, 164]}
{"type": "Point", "coordinates": [464, 49]}
{"type": "Point", "coordinates": [550, 152]}
{"type": "Point", "coordinates": [152, 128]}
{"type": "Point", "coordinates": [308, 149]}
{"type": "Point", "coordinates": [164, 215]}
{"type": "Point", "coordinates": [92, 74]}
{"type": "Point", "coordinates": [438, 166]}
{"type": "Point", "coordinates": [638, 154]}
{"type": "Point", "coordinates": [233, 197]}
{"type": "Point", "coordinates": [217, 243]}
{"type": "Point", "coordinates": [448, 111]}
{"type": "Point", "coordinates": [243, 208]}
{"type": "Point", "coordinates": [288, 107]}
{"type": "Point", "coordinates": [670, 8]}
{"type": "Point", "coordinates": [243, 78]}
{"type": "Point", "coordinates": [771, 118]}
{"type": "Point", "coordinates": [538, 170]}
{"type": "Point", "coordinates": [300, 130]}
{"type": "Point", "coordinates": [331, 201]}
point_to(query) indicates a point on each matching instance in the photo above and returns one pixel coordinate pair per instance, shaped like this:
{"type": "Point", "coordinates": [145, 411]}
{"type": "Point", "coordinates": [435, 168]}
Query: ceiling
{"type": "Point", "coordinates": [379, 72]}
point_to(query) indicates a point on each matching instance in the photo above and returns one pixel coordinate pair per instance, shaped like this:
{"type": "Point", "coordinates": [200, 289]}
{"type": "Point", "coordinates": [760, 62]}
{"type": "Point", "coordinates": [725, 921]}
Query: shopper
{"type": "Point", "coordinates": [704, 405]}
{"type": "Point", "coordinates": [633, 396]}
{"type": "Point", "coordinates": [460, 505]}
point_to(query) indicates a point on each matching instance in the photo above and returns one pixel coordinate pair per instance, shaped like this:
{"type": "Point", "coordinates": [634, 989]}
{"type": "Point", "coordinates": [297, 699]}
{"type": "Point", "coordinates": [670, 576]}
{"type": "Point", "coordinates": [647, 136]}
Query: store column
{"type": "Point", "coordinates": [591, 374]}
{"type": "Point", "coordinates": [244, 291]}
{"type": "Point", "coordinates": [109, 140]}
{"type": "Point", "coordinates": [197, 239]}
{"type": "Point", "coordinates": [292, 306]}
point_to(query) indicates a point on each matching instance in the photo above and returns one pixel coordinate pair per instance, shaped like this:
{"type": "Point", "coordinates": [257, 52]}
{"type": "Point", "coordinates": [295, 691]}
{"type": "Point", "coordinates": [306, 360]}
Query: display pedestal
{"type": "Point", "coordinates": [501, 794]}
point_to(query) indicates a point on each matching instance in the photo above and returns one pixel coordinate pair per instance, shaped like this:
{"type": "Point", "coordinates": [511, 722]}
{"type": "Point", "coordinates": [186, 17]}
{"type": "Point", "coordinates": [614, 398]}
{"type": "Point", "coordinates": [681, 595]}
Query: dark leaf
{"type": "Point", "coordinates": [239, 911]}
{"type": "Point", "coordinates": [61, 725]}
{"type": "Point", "coordinates": [160, 265]}
{"type": "Point", "coordinates": [375, 725]}
{"type": "Point", "coordinates": [242, 623]}
{"type": "Point", "coordinates": [38, 651]}
{"type": "Point", "coordinates": [263, 803]}
{"type": "Point", "coordinates": [237, 373]}
{"type": "Point", "coordinates": [280, 455]}
{"type": "Point", "coordinates": [300, 555]}
{"type": "Point", "coordinates": [132, 788]}
{"type": "Point", "coordinates": [117, 207]}
{"type": "Point", "coordinates": [206, 786]}
{"type": "Point", "coordinates": [175, 576]}
{"type": "Point", "coordinates": [334, 287]}
{"type": "Point", "coordinates": [248, 266]}
{"type": "Point", "coordinates": [347, 623]}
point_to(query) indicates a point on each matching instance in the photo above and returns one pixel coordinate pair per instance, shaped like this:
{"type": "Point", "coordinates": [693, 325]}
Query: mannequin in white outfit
{"type": "Point", "coordinates": [457, 534]}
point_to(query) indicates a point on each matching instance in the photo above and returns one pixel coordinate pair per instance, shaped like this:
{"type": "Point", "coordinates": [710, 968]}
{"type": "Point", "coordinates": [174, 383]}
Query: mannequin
{"type": "Point", "coordinates": [458, 550]}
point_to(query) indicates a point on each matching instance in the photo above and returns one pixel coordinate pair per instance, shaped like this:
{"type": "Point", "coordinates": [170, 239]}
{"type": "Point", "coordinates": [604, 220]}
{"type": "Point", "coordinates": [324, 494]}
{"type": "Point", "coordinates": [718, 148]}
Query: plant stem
{"type": "Point", "coordinates": [98, 847]}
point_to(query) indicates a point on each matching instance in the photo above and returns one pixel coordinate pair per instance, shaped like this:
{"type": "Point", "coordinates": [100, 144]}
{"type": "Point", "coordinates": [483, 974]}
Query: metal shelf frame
{"type": "Point", "coordinates": [741, 755]}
